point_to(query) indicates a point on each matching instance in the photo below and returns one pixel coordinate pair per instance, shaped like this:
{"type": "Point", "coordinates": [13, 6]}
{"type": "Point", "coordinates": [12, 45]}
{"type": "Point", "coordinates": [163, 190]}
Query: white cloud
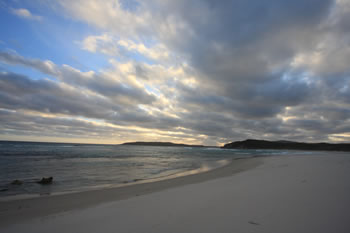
{"type": "Point", "coordinates": [108, 15]}
{"type": "Point", "coordinates": [157, 52]}
{"type": "Point", "coordinates": [26, 14]}
{"type": "Point", "coordinates": [109, 45]}
{"type": "Point", "coordinates": [103, 44]}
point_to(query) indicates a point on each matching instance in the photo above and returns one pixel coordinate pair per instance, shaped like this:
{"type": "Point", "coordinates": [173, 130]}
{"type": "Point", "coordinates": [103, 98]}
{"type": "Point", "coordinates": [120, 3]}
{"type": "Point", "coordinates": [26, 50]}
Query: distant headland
{"type": "Point", "coordinates": [160, 144]}
{"type": "Point", "coordinates": [259, 144]}
{"type": "Point", "coordinates": [246, 144]}
{"type": "Point", "coordinates": [286, 145]}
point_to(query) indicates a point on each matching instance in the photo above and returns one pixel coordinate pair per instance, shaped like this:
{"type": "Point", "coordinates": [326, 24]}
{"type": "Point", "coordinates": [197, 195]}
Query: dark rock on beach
{"type": "Point", "coordinates": [17, 182]}
{"type": "Point", "coordinates": [45, 180]}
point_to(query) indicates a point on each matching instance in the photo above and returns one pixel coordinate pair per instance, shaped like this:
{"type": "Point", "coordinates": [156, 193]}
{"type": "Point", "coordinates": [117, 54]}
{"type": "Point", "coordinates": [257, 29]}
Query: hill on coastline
{"type": "Point", "coordinates": [259, 144]}
{"type": "Point", "coordinates": [160, 144]}
{"type": "Point", "coordinates": [286, 145]}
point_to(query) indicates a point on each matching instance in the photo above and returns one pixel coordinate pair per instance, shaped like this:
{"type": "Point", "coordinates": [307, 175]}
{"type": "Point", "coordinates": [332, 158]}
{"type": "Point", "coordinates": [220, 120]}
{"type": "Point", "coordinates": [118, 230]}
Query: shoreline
{"type": "Point", "coordinates": [20, 210]}
{"type": "Point", "coordinates": [204, 168]}
{"type": "Point", "coordinates": [290, 194]}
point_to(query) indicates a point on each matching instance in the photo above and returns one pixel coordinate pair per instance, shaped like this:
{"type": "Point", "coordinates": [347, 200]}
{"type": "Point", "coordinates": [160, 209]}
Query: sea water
{"type": "Point", "coordinates": [79, 167]}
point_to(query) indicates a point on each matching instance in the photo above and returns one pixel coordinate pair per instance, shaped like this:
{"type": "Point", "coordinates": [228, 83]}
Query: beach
{"type": "Point", "coordinates": [306, 193]}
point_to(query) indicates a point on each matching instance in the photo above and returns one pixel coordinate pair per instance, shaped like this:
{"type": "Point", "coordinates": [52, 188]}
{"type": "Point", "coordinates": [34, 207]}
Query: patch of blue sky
{"type": "Point", "coordinates": [152, 90]}
{"type": "Point", "coordinates": [52, 38]}
{"type": "Point", "coordinates": [56, 38]}
{"type": "Point", "coordinates": [86, 61]}
{"type": "Point", "coordinates": [286, 77]}
{"type": "Point", "coordinates": [14, 30]}
{"type": "Point", "coordinates": [129, 5]}
{"type": "Point", "coordinates": [150, 42]}
{"type": "Point", "coordinates": [4, 48]}
{"type": "Point", "coordinates": [25, 71]}
{"type": "Point", "coordinates": [299, 76]}
{"type": "Point", "coordinates": [138, 57]}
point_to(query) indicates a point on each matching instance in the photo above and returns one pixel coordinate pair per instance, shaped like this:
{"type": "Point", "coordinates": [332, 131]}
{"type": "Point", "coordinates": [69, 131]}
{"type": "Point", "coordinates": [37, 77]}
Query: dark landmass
{"type": "Point", "coordinates": [160, 144]}
{"type": "Point", "coordinates": [286, 145]}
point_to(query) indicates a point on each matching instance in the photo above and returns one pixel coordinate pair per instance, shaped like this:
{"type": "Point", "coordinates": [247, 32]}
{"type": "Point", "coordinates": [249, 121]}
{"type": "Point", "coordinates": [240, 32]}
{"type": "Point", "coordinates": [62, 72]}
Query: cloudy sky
{"type": "Point", "coordinates": [199, 71]}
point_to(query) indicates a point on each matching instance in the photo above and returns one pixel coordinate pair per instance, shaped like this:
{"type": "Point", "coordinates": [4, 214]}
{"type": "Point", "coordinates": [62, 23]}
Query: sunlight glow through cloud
{"type": "Point", "coordinates": [218, 74]}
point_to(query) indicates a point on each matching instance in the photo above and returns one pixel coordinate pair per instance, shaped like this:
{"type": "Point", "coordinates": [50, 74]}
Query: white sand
{"type": "Point", "coordinates": [284, 194]}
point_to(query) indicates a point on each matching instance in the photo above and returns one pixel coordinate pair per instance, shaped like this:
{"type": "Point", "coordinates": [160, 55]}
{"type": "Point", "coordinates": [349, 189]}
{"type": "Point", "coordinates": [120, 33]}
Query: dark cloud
{"type": "Point", "coordinates": [88, 80]}
{"type": "Point", "coordinates": [238, 42]}
{"type": "Point", "coordinates": [262, 69]}
{"type": "Point", "coordinates": [18, 92]}
{"type": "Point", "coordinates": [244, 51]}
{"type": "Point", "coordinates": [33, 125]}
{"type": "Point", "coordinates": [46, 67]}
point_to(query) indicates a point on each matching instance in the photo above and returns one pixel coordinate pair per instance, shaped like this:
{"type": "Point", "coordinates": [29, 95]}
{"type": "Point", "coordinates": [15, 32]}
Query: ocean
{"type": "Point", "coordinates": [80, 167]}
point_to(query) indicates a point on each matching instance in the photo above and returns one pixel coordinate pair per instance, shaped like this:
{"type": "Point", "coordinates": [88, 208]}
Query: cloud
{"type": "Point", "coordinates": [18, 92]}
{"type": "Point", "coordinates": [104, 44]}
{"type": "Point", "coordinates": [111, 46]}
{"type": "Point", "coordinates": [158, 52]}
{"type": "Point", "coordinates": [111, 15]}
{"type": "Point", "coordinates": [47, 67]}
{"type": "Point", "coordinates": [26, 14]}
{"type": "Point", "coordinates": [98, 83]}
{"type": "Point", "coordinates": [229, 70]}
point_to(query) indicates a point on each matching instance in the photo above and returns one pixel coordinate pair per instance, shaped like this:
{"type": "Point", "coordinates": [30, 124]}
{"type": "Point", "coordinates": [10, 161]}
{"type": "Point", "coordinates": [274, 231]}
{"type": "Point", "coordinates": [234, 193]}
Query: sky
{"type": "Point", "coordinates": [187, 71]}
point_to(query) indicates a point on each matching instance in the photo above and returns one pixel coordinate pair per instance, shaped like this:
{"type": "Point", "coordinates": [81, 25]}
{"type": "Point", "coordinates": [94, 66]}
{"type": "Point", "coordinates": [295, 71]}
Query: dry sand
{"type": "Point", "coordinates": [271, 194]}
